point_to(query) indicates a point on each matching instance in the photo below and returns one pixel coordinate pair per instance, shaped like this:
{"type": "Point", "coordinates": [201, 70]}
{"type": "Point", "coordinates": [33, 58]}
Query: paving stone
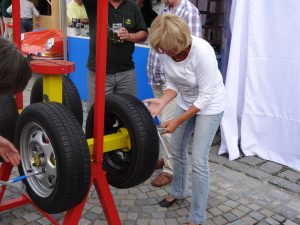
{"type": "Point", "coordinates": [249, 220]}
{"type": "Point", "coordinates": [238, 222]}
{"type": "Point", "coordinates": [219, 220]}
{"type": "Point", "coordinates": [230, 216]}
{"type": "Point", "coordinates": [84, 221]}
{"type": "Point", "coordinates": [44, 221]}
{"type": "Point", "coordinates": [278, 218]}
{"type": "Point", "coordinates": [91, 215]}
{"type": "Point", "coordinates": [208, 215]}
{"type": "Point", "coordinates": [213, 202]}
{"type": "Point", "coordinates": [171, 214]}
{"type": "Point", "coordinates": [238, 213]}
{"type": "Point", "coordinates": [237, 166]}
{"type": "Point", "coordinates": [232, 196]}
{"type": "Point", "coordinates": [290, 175]}
{"type": "Point", "coordinates": [217, 159]}
{"type": "Point", "coordinates": [258, 174]}
{"type": "Point", "coordinates": [158, 215]}
{"type": "Point", "coordinates": [272, 221]}
{"type": "Point", "coordinates": [209, 222]}
{"type": "Point", "coordinates": [266, 212]}
{"type": "Point", "coordinates": [129, 222]}
{"type": "Point", "coordinates": [132, 216]}
{"type": "Point", "coordinates": [231, 204]}
{"type": "Point", "coordinates": [256, 215]}
{"type": "Point", "coordinates": [171, 221]}
{"type": "Point", "coordinates": [157, 222]}
{"type": "Point", "coordinates": [251, 160]}
{"type": "Point", "coordinates": [262, 223]}
{"type": "Point", "coordinates": [286, 212]}
{"type": "Point", "coordinates": [224, 208]}
{"type": "Point", "coordinates": [17, 222]}
{"type": "Point", "coordinates": [182, 220]}
{"type": "Point", "coordinates": [288, 222]}
{"type": "Point", "coordinates": [283, 183]}
{"type": "Point", "coordinates": [244, 209]}
{"type": "Point", "coordinates": [215, 211]}
{"type": "Point", "coordinates": [271, 167]}
{"type": "Point", "coordinates": [31, 217]}
{"type": "Point", "coordinates": [253, 206]}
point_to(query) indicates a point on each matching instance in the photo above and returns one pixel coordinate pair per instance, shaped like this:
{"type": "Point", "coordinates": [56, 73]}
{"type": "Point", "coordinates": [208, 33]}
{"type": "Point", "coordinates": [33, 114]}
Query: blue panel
{"type": "Point", "coordinates": [140, 57]}
{"type": "Point", "coordinates": [78, 50]}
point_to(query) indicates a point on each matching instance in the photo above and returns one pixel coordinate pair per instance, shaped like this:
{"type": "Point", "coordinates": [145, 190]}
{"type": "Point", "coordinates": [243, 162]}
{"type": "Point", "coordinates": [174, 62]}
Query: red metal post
{"type": "Point", "coordinates": [100, 180]}
{"type": "Point", "coordinates": [17, 39]}
{"type": "Point", "coordinates": [100, 74]}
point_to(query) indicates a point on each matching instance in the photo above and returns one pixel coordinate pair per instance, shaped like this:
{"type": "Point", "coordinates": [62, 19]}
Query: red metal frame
{"type": "Point", "coordinates": [98, 175]}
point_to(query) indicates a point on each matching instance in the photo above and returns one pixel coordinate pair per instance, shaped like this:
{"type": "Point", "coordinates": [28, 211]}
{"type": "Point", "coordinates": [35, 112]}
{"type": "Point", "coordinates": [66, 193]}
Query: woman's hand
{"type": "Point", "coordinates": [8, 152]}
{"type": "Point", "coordinates": [170, 126]}
{"type": "Point", "coordinates": [155, 106]}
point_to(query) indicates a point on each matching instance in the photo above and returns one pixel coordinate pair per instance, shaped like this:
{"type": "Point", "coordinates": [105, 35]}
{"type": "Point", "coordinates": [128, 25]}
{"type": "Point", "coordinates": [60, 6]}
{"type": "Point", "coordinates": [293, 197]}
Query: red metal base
{"type": "Point", "coordinates": [98, 178]}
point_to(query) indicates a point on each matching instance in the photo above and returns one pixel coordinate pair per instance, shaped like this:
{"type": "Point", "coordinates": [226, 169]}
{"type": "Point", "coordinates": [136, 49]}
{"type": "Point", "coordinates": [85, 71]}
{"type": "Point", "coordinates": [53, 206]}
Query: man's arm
{"type": "Point", "coordinates": [139, 36]}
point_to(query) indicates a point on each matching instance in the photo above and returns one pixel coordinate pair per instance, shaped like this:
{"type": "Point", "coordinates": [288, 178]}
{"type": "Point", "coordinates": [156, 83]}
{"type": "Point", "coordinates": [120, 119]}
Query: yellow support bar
{"type": "Point", "coordinates": [52, 88]}
{"type": "Point", "coordinates": [112, 142]}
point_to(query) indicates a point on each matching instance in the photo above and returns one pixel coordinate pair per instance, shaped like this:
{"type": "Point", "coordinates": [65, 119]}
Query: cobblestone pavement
{"type": "Point", "coordinates": [249, 190]}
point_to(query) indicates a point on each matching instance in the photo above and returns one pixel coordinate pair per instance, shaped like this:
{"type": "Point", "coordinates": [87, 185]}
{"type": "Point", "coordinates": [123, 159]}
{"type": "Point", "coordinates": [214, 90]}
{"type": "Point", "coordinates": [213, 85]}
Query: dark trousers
{"type": "Point", "coordinates": [26, 25]}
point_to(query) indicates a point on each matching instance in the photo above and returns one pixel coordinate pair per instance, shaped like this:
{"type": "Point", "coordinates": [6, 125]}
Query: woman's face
{"type": "Point", "coordinates": [170, 53]}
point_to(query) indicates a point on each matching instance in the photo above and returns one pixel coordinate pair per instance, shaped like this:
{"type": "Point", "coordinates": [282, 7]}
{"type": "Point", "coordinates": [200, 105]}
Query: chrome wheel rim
{"type": "Point", "coordinates": [37, 154]}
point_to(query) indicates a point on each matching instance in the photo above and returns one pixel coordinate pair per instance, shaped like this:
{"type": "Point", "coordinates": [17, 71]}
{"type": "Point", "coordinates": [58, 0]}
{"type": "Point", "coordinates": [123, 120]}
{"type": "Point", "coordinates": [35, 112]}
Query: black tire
{"type": "Point", "coordinates": [49, 136]}
{"type": "Point", "coordinates": [71, 97]}
{"type": "Point", "coordinates": [8, 116]}
{"type": "Point", "coordinates": [128, 169]}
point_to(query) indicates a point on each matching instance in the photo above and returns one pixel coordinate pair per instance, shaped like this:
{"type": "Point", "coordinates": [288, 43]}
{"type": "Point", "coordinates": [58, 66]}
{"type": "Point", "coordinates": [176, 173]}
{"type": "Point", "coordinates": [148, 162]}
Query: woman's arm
{"type": "Point", "coordinates": [156, 105]}
{"type": "Point", "coordinates": [171, 125]}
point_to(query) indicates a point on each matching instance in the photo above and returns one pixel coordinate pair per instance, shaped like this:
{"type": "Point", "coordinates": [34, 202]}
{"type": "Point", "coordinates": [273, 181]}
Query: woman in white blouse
{"type": "Point", "coordinates": [193, 77]}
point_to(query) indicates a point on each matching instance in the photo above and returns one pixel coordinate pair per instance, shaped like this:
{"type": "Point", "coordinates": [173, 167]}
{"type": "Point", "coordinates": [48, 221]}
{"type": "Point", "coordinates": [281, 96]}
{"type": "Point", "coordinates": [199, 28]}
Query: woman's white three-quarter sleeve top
{"type": "Point", "coordinates": [197, 79]}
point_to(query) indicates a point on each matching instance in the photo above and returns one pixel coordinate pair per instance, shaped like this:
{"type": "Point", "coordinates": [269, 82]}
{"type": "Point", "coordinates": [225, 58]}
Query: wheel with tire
{"type": "Point", "coordinates": [51, 140]}
{"type": "Point", "coordinates": [71, 97]}
{"type": "Point", "coordinates": [126, 169]}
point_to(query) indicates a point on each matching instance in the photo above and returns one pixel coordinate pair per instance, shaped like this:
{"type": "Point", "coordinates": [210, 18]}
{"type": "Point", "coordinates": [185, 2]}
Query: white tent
{"type": "Point", "coordinates": [262, 116]}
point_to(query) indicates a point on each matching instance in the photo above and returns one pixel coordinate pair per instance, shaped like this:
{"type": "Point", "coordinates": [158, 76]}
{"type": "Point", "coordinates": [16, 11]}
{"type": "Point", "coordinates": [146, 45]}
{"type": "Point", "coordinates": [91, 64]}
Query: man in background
{"type": "Point", "coordinates": [28, 11]}
{"type": "Point", "coordinates": [120, 69]}
{"type": "Point", "coordinates": [6, 19]}
{"type": "Point", "coordinates": [76, 10]}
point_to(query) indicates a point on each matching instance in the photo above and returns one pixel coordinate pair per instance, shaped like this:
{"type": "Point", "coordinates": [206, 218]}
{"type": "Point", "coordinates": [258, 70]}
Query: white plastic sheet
{"type": "Point", "coordinates": [263, 82]}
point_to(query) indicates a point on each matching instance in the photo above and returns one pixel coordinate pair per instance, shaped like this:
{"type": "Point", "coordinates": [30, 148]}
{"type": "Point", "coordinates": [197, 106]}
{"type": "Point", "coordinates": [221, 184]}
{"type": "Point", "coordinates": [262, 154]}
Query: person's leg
{"type": "Point", "coordinates": [91, 89]}
{"type": "Point", "coordinates": [110, 83]}
{"type": "Point", "coordinates": [1, 26]}
{"type": "Point", "coordinates": [205, 130]}
{"type": "Point", "coordinates": [126, 82]}
{"type": "Point", "coordinates": [179, 140]}
{"type": "Point", "coordinates": [23, 26]}
{"type": "Point", "coordinates": [29, 25]}
{"type": "Point", "coordinates": [166, 114]}
{"type": "Point", "coordinates": [6, 29]}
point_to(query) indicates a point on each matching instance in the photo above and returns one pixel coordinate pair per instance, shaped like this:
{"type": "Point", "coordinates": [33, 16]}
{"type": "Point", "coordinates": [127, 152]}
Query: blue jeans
{"type": "Point", "coordinates": [204, 127]}
{"type": "Point", "coordinates": [26, 25]}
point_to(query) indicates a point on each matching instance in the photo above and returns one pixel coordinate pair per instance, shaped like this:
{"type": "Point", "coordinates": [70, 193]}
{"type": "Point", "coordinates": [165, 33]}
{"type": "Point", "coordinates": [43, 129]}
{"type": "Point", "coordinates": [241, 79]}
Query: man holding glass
{"type": "Point", "coordinates": [121, 76]}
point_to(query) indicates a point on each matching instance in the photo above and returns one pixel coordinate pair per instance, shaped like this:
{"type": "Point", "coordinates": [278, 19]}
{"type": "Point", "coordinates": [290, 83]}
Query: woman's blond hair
{"type": "Point", "coordinates": [169, 32]}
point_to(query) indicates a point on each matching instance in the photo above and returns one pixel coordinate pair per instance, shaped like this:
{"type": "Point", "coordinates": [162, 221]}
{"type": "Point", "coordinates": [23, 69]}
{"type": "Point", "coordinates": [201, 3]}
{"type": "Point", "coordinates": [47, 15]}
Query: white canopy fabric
{"type": "Point", "coordinates": [262, 115]}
